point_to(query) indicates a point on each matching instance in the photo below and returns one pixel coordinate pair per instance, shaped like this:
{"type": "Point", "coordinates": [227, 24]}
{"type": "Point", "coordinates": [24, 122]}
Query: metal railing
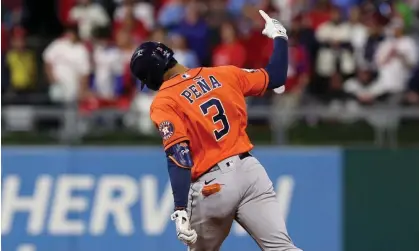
{"type": "Point", "coordinates": [384, 121]}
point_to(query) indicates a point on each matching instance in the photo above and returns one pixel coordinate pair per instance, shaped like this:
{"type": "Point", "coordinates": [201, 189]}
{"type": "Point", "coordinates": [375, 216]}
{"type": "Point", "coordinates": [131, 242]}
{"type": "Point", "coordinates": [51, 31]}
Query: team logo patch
{"type": "Point", "coordinates": [166, 130]}
{"type": "Point", "coordinates": [250, 70]}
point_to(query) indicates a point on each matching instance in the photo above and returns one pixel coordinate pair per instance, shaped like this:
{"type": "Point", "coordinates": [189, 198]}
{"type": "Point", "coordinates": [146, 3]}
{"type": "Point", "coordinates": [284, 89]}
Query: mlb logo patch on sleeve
{"type": "Point", "coordinates": [166, 130]}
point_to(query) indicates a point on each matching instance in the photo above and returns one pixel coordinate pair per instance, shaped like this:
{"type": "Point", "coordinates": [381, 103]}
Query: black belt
{"type": "Point", "coordinates": [244, 155]}
{"type": "Point", "coordinates": [241, 157]}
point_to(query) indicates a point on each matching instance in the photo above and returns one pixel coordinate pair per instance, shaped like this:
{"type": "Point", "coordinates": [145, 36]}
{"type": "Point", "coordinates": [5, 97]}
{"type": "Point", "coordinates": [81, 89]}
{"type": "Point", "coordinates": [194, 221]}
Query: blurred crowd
{"type": "Point", "coordinates": [343, 53]}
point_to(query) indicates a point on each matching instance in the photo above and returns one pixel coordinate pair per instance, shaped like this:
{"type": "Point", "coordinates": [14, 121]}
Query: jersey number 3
{"type": "Point", "coordinates": [220, 116]}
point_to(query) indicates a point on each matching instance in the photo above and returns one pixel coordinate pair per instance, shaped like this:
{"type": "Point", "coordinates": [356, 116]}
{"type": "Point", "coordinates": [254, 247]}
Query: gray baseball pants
{"type": "Point", "coordinates": [246, 195]}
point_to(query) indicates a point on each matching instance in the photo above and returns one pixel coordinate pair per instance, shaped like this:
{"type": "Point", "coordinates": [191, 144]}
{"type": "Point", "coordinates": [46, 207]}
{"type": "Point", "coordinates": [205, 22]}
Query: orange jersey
{"type": "Point", "coordinates": [206, 106]}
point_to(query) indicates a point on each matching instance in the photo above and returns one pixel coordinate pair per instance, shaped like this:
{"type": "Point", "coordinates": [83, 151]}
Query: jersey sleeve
{"type": "Point", "coordinates": [252, 82]}
{"type": "Point", "coordinates": [169, 123]}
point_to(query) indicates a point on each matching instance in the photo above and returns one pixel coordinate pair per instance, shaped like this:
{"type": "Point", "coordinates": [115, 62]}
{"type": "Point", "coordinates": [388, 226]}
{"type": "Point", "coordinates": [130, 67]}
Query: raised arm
{"type": "Point", "coordinates": [277, 67]}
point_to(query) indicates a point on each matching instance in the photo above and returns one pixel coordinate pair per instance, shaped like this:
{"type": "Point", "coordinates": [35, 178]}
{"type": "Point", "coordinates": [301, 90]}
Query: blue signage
{"type": "Point", "coordinates": [112, 199]}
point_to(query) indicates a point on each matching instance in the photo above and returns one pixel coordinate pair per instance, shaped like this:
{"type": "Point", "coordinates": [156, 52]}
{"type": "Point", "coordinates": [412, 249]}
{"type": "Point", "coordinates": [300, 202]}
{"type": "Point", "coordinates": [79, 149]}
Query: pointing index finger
{"type": "Point", "coordinates": [264, 15]}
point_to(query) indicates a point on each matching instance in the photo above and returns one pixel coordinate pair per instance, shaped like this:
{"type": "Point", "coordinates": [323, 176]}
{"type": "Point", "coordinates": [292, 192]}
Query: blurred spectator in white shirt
{"type": "Point", "coordinates": [396, 58]}
{"type": "Point", "coordinates": [143, 12]}
{"type": "Point", "coordinates": [108, 65]}
{"type": "Point", "coordinates": [67, 67]}
{"type": "Point", "coordinates": [183, 54]}
{"type": "Point", "coordinates": [361, 88]}
{"type": "Point", "coordinates": [335, 59]}
{"type": "Point", "coordinates": [88, 15]}
{"type": "Point", "coordinates": [359, 32]}
{"type": "Point", "coordinates": [335, 37]}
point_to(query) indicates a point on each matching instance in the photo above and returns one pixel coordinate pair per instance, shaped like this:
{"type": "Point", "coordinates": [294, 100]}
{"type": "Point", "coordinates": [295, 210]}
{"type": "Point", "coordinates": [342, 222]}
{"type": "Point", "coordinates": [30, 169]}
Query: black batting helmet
{"type": "Point", "coordinates": [149, 63]}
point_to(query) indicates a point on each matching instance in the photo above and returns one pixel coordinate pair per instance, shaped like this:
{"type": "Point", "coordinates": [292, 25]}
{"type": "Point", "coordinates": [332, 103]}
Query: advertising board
{"type": "Point", "coordinates": [112, 199]}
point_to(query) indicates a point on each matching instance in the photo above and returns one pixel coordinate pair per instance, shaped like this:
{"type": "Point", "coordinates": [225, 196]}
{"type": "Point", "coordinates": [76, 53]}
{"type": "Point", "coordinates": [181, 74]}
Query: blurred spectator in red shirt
{"type": "Point", "coordinates": [255, 42]}
{"type": "Point", "coordinates": [321, 13]}
{"type": "Point", "coordinates": [260, 44]}
{"type": "Point", "coordinates": [4, 38]}
{"type": "Point", "coordinates": [142, 11]}
{"type": "Point", "coordinates": [133, 26]}
{"type": "Point", "coordinates": [65, 7]}
{"type": "Point", "coordinates": [230, 51]}
{"type": "Point", "coordinates": [11, 4]}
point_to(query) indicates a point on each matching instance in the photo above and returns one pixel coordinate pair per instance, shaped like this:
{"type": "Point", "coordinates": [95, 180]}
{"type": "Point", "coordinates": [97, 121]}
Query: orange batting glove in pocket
{"type": "Point", "coordinates": [211, 189]}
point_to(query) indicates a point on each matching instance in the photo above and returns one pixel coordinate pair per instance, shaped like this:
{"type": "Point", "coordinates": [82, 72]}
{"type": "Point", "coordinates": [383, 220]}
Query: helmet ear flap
{"type": "Point", "coordinates": [155, 79]}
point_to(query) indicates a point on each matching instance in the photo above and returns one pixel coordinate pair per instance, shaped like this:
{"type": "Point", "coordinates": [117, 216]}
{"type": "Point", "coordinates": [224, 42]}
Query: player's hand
{"type": "Point", "coordinates": [183, 228]}
{"type": "Point", "coordinates": [273, 28]}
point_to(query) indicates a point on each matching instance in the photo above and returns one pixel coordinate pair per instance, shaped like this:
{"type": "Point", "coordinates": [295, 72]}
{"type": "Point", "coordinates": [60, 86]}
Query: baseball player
{"type": "Point", "coordinates": [201, 116]}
